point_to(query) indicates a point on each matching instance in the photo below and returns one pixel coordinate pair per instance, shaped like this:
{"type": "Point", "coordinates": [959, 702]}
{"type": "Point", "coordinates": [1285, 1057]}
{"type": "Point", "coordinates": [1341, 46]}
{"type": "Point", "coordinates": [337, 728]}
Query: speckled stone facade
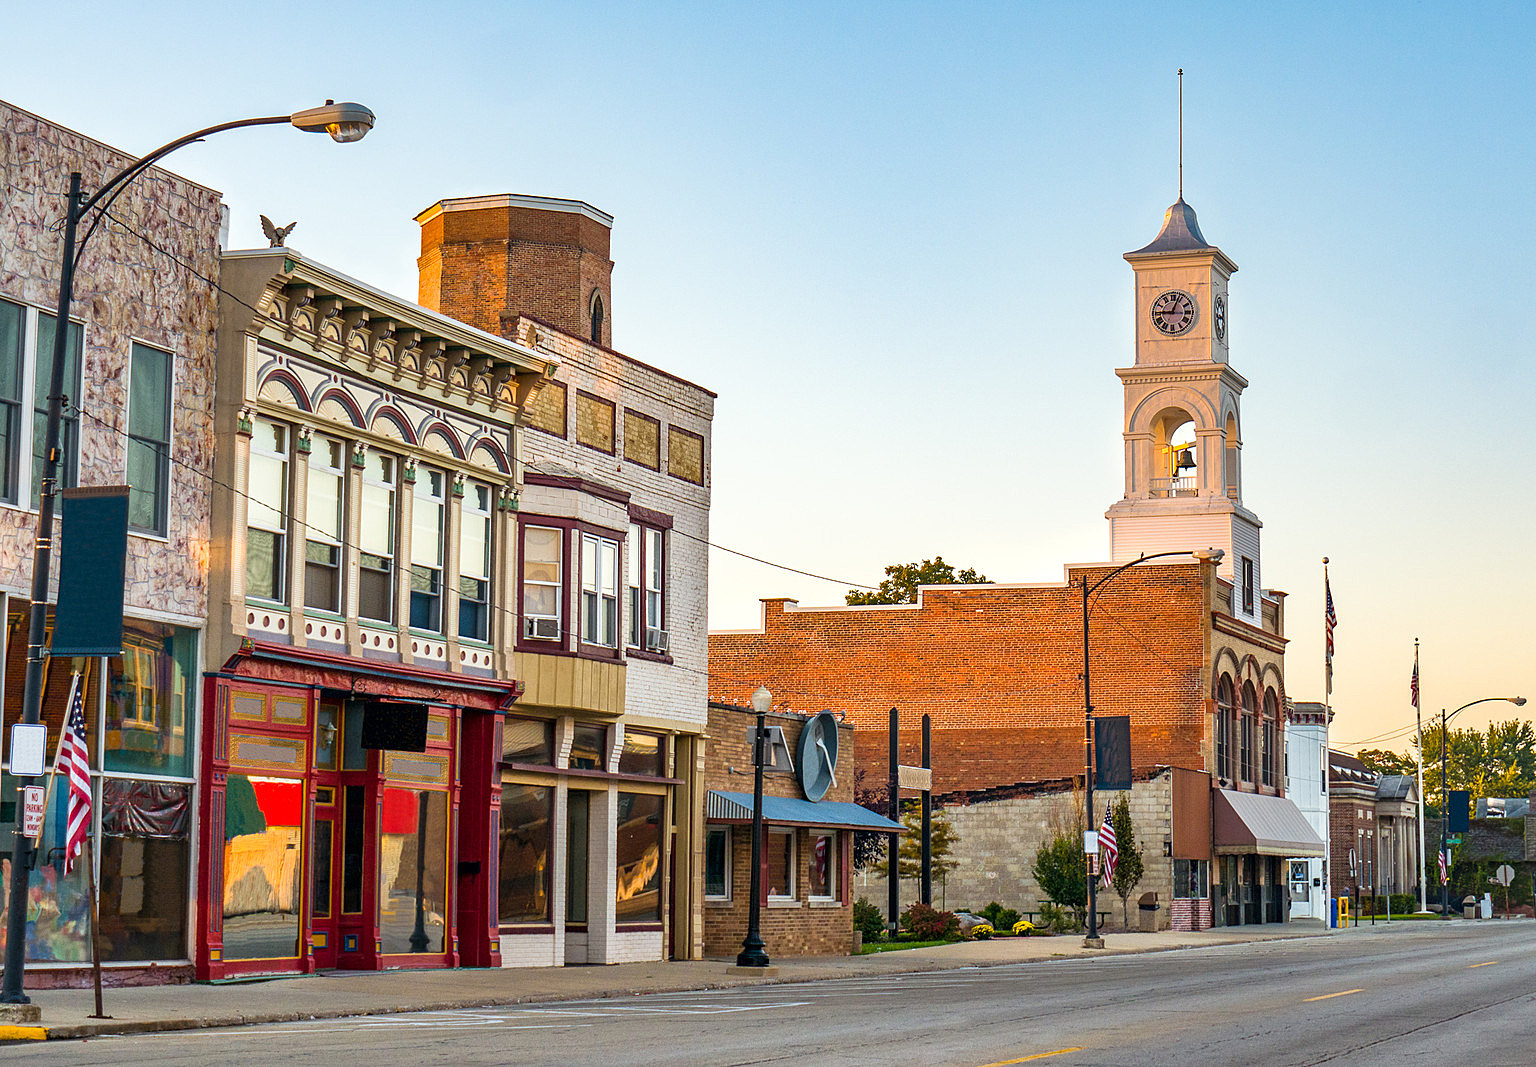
{"type": "Point", "coordinates": [142, 278]}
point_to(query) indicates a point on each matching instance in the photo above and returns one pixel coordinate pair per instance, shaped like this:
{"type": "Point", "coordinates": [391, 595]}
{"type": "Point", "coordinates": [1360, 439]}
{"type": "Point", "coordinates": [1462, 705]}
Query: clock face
{"type": "Point", "coordinates": [1219, 316]}
{"type": "Point", "coordinates": [817, 767]}
{"type": "Point", "coordinates": [1173, 312]}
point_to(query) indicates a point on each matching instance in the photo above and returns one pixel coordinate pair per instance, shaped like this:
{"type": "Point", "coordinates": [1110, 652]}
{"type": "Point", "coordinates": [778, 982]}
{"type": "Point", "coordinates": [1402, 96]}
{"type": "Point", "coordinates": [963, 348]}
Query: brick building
{"type": "Point", "coordinates": [1190, 646]}
{"type": "Point", "coordinates": [600, 775]}
{"type": "Point", "coordinates": [806, 894]}
{"type": "Point", "coordinates": [1373, 829]}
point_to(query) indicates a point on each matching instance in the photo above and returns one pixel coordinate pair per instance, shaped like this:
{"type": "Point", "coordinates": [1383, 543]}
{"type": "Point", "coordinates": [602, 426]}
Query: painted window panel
{"type": "Point", "coordinates": [527, 821]}
{"type": "Point", "coordinates": [413, 870]}
{"type": "Point", "coordinates": [263, 852]}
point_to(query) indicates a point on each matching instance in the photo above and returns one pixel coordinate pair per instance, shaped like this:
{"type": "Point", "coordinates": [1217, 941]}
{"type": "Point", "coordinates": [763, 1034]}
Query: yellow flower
{"type": "Point", "coordinates": [1022, 927]}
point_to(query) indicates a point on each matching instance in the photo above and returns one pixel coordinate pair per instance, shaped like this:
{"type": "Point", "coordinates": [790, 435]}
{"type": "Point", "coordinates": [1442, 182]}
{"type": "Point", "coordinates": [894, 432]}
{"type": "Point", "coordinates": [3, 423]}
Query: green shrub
{"type": "Point", "coordinates": [868, 920]}
{"type": "Point", "coordinates": [1057, 918]}
{"type": "Point", "coordinates": [927, 924]}
{"type": "Point", "coordinates": [1000, 917]}
{"type": "Point", "coordinates": [1404, 903]}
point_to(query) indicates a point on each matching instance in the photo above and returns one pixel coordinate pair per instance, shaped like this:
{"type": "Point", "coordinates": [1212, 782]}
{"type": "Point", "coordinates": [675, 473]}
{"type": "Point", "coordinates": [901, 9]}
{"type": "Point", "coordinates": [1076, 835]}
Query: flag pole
{"type": "Point", "coordinates": [1327, 726]}
{"type": "Point", "coordinates": [1418, 721]}
{"type": "Point", "coordinates": [90, 881]}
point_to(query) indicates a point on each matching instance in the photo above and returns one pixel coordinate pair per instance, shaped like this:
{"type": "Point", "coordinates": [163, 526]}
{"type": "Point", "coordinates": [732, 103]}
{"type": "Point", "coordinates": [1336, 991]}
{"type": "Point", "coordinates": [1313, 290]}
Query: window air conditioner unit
{"type": "Point", "coordinates": [541, 629]}
{"type": "Point", "coordinates": [656, 639]}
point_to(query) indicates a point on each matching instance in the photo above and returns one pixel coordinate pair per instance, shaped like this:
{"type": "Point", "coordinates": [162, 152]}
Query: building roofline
{"type": "Point", "coordinates": [547, 325]}
{"type": "Point", "coordinates": [516, 200]}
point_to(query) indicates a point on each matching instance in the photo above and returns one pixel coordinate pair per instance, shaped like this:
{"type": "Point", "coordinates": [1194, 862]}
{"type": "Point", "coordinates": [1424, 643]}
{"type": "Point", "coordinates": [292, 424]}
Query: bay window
{"type": "Point", "coordinates": [325, 508]}
{"type": "Point", "coordinates": [599, 591]}
{"type": "Point", "coordinates": [376, 571]}
{"type": "Point", "coordinates": [427, 551]}
{"type": "Point", "coordinates": [266, 511]}
{"type": "Point", "coordinates": [542, 567]}
{"type": "Point", "coordinates": [475, 562]}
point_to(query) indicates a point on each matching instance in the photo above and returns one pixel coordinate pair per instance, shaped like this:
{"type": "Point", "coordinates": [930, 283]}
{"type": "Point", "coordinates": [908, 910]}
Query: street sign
{"type": "Point", "coordinates": [1091, 842]}
{"type": "Point", "coordinates": [1454, 839]}
{"type": "Point", "coordinates": [28, 744]}
{"type": "Point", "coordinates": [920, 778]}
{"type": "Point", "coordinates": [1504, 875]}
{"type": "Point", "coordinates": [34, 808]}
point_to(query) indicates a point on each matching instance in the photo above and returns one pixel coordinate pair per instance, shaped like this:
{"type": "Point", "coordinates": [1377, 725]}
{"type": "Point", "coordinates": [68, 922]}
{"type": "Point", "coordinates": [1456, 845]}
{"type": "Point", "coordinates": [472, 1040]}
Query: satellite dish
{"type": "Point", "coordinates": [818, 755]}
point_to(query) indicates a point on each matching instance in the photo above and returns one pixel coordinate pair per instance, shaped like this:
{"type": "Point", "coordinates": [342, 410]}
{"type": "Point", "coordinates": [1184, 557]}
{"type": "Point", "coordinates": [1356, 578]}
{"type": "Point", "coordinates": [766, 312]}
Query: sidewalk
{"type": "Point", "coordinates": [339, 994]}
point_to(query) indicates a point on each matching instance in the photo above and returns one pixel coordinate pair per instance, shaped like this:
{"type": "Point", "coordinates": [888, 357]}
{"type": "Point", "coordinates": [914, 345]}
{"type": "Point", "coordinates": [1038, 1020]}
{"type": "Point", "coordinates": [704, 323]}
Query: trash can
{"type": "Point", "coordinates": [1147, 907]}
{"type": "Point", "coordinates": [1469, 907]}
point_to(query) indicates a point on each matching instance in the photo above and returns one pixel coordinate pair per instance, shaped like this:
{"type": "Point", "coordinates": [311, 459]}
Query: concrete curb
{"type": "Point", "coordinates": [913, 962]}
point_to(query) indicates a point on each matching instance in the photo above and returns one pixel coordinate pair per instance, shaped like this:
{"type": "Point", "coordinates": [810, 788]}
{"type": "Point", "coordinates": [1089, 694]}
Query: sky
{"type": "Point", "coordinates": [889, 236]}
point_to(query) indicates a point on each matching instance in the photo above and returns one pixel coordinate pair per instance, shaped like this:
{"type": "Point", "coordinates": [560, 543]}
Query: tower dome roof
{"type": "Point", "coordinates": [1180, 232]}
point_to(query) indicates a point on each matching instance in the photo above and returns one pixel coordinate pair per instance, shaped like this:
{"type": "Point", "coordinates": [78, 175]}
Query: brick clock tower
{"type": "Point", "coordinates": [1183, 422]}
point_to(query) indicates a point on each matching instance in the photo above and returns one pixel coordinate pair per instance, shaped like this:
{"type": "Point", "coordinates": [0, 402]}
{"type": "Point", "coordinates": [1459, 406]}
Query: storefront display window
{"type": "Point", "coordinates": [717, 864]}
{"type": "Point", "coordinates": [823, 866]}
{"type": "Point", "coordinates": [781, 864]}
{"type": "Point", "coordinates": [642, 754]}
{"type": "Point", "coordinates": [413, 871]}
{"type": "Point", "coordinates": [263, 859]}
{"type": "Point", "coordinates": [589, 748]}
{"type": "Point", "coordinates": [148, 726]}
{"type": "Point", "coordinates": [578, 855]}
{"type": "Point", "coordinates": [58, 909]}
{"type": "Point", "coordinates": [526, 818]}
{"type": "Point", "coordinates": [639, 857]}
{"type": "Point", "coordinates": [145, 855]}
{"type": "Point", "coordinates": [1191, 879]}
{"type": "Point", "coordinates": [528, 741]}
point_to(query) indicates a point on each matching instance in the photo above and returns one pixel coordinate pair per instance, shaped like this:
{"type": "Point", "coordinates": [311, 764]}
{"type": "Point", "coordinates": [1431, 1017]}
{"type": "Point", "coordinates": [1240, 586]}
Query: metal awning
{"type": "Point", "coordinates": [720, 806]}
{"type": "Point", "coordinates": [1254, 824]}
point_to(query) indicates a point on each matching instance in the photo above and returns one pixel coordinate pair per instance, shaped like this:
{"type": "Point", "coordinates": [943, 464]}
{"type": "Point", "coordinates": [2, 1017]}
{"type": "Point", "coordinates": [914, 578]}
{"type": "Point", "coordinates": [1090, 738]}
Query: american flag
{"type": "Point", "coordinates": [1108, 847]}
{"type": "Point", "coordinates": [1330, 620]}
{"type": "Point", "coordinates": [1413, 686]}
{"type": "Point", "coordinates": [1443, 856]}
{"type": "Point", "coordinates": [75, 763]}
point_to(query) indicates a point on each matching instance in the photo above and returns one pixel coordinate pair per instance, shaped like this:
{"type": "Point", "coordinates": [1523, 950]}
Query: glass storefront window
{"type": "Point", "coordinates": [641, 754]}
{"type": "Point", "coordinates": [528, 741]}
{"type": "Point", "coordinates": [145, 857]}
{"type": "Point", "coordinates": [526, 819]}
{"type": "Point", "coordinates": [589, 748]}
{"type": "Point", "coordinates": [824, 862]}
{"type": "Point", "coordinates": [58, 910]}
{"type": "Point", "coordinates": [413, 870]}
{"type": "Point", "coordinates": [149, 700]}
{"type": "Point", "coordinates": [578, 855]}
{"type": "Point", "coordinates": [1191, 879]}
{"type": "Point", "coordinates": [263, 860]}
{"type": "Point", "coordinates": [717, 863]}
{"type": "Point", "coordinates": [639, 858]}
{"type": "Point", "coordinates": [781, 864]}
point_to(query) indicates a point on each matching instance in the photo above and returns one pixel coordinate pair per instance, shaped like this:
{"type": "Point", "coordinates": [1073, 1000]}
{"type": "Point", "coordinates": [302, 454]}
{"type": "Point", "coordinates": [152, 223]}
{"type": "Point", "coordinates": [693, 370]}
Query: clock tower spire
{"type": "Point", "coordinates": [1183, 418]}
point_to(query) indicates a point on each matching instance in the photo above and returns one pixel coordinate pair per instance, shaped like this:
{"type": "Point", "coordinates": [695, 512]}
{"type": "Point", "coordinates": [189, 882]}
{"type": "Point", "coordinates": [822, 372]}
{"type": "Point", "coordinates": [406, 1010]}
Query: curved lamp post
{"type": "Point", "coordinates": [345, 123]}
{"type": "Point", "coordinates": [1213, 555]}
{"type": "Point", "coordinates": [1445, 785]}
{"type": "Point", "coordinates": [752, 952]}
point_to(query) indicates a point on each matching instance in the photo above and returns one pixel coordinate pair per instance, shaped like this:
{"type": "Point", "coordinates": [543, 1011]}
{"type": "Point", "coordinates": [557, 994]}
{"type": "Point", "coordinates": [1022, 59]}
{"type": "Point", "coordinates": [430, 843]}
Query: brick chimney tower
{"type": "Point", "coordinates": [487, 259]}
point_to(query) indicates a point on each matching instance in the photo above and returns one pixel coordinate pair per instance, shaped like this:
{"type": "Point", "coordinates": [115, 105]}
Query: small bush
{"type": "Point", "coordinates": [1023, 928]}
{"type": "Point", "coordinates": [1000, 917]}
{"type": "Point", "coordinates": [868, 920]}
{"type": "Point", "coordinates": [927, 924]}
{"type": "Point", "coordinates": [981, 931]}
{"type": "Point", "coordinates": [1058, 918]}
{"type": "Point", "coordinates": [1405, 903]}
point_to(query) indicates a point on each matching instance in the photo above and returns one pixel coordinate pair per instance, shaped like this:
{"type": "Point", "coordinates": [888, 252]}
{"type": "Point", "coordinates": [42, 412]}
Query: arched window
{"type": "Point", "coordinates": [597, 317]}
{"type": "Point", "coordinates": [1250, 712]}
{"type": "Point", "coordinates": [1226, 711]}
{"type": "Point", "coordinates": [1271, 751]}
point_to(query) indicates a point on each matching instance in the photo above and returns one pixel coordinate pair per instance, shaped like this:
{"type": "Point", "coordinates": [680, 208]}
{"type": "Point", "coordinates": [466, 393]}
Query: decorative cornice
{"type": "Point", "coordinates": [1248, 632]}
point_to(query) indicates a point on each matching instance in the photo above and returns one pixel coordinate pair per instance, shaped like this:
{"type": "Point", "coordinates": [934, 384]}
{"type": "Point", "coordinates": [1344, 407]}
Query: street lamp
{"type": "Point", "coordinates": [1445, 806]}
{"type": "Point", "coordinates": [345, 123]}
{"type": "Point", "coordinates": [752, 953]}
{"type": "Point", "coordinates": [1211, 555]}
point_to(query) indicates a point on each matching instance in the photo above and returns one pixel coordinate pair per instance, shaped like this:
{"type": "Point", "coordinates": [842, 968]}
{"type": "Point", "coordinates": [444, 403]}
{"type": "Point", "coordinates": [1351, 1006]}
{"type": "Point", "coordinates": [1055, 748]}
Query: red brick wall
{"type": "Point", "coordinates": [487, 265]}
{"type": "Point", "coordinates": [999, 670]}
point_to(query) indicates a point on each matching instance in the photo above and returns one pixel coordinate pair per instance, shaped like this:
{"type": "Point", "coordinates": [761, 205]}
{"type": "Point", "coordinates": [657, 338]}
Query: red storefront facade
{"type": "Point", "coordinates": [321, 853]}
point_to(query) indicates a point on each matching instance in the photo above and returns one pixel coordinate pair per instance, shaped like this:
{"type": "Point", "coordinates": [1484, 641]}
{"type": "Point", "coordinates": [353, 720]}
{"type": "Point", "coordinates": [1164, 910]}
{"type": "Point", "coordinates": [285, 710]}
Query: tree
{"type": "Point", "coordinates": [1062, 872]}
{"type": "Point", "coordinates": [909, 854]}
{"type": "Point", "coordinates": [1384, 761]}
{"type": "Point", "coordinates": [1497, 762]}
{"type": "Point", "coordinates": [1128, 868]}
{"type": "Point", "coordinates": [902, 580]}
{"type": "Point", "coordinates": [868, 845]}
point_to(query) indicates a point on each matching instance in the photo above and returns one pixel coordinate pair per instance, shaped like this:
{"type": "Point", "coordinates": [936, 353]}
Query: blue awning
{"type": "Point", "coordinates": [720, 806]}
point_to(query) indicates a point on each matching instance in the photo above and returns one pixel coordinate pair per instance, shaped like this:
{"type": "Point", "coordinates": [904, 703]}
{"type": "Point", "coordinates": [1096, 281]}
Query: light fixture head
{"type": "Point", "coordinates": [762, 700]}
{"type": "Point", "coordinates": [1213, 555]}
{"type": "Point", "coordinates": [345, 122]}
{"type": "Point", "coordinates": [1518, 702]}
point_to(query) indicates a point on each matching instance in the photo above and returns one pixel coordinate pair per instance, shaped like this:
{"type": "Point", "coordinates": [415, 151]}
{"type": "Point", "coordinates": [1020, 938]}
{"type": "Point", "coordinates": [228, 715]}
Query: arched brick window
{"type": "Point", "coordinates": [1226, 712]}
{"type": "Point", "coordinates": [597, 317]}
{"type": "Point", "coordinates": [1272, 736]}
{"type": "Point", "coordinates": [1250, 713]}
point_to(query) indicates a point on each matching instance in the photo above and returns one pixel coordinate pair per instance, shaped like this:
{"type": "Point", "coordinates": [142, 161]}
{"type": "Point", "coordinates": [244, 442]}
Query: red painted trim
{"type": "Point", "coordinates": [342, 397]}
{"type": "Point", "coordinates": [369, 677]}
{"type": "Point", "coordinates": [443, 430]}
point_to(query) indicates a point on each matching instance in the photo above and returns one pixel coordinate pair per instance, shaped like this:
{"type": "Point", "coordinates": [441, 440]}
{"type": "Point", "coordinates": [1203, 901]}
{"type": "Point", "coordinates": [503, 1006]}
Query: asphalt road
{"type": "Point", "coordinates": [1454, 993]}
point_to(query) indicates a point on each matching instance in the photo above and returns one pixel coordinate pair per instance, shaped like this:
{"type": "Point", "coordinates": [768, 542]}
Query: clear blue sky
{"type": "Point", "coordinates": [889, 236]}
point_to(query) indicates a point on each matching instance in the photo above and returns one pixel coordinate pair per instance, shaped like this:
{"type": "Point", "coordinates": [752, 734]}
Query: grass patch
{"type": "Point", "coordinates": [897, 946]}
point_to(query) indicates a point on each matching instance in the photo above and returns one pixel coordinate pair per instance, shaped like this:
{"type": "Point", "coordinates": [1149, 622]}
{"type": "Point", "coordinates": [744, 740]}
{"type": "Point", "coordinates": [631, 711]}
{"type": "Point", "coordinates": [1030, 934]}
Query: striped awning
{"type": "Point", "coordinates": [720, 806]}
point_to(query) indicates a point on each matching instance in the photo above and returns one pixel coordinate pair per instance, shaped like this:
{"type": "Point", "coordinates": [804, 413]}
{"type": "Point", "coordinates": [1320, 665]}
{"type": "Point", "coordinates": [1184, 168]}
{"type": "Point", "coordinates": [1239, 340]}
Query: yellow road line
{"type": "Point", "coordinates": [1036, 1056]}
{"type": "Point", "coordinates": [23, 1033]}
{"type": "Point", "coordinates": [1330, 996]}
{"type": "Point", "coordinates": [1490, 963]}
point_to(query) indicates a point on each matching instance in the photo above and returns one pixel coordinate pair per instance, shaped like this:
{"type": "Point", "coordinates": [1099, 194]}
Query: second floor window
{"type": "Point", "coordinates": [376, 541]}
{"type": "Point", "coordinates": [647, 621]}
{"type": "Point", "coordinates": [1249, 585]}
{"type": "Point", "coordinates": [149, 438]}
{"type": "Point", "coordinates": [599, 591]}
{"type": "Point", "coordinates": [324, 517]}
{"type": "Point", "coordinates": [475, 562]}
{"type": "Point", "coordinates": [542, 557]}
{"type": "Point", "coordinates": [427, 551]}
{"type": "Point", "coordinates": [26, 348]}
{"type": "Point", "coordinates": [266, 511]}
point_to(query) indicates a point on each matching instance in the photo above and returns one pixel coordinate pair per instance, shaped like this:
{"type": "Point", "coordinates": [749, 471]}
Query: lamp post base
{"type": "Point", "coordinates": [1093, 942]}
